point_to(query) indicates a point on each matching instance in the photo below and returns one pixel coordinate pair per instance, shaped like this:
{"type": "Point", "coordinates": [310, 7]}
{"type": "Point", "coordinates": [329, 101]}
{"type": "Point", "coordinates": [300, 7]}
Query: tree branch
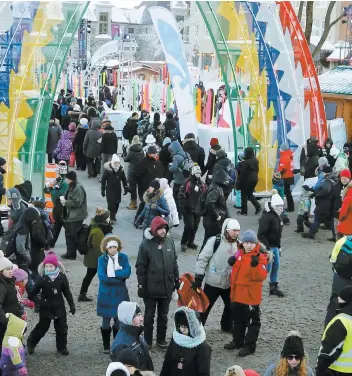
{"type": "Point", "coordinates": [309, 20]}
{"type": "Point", "coordinates": [300, 10]}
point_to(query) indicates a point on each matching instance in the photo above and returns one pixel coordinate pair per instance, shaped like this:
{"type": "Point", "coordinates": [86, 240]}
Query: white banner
{"type": "Point", "coordinates": [166, 26]}
{"type": "Point", "coordinates": [337, 128]}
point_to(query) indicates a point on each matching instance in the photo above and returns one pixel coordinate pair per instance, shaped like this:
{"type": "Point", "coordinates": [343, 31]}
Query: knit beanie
{"type": "Point", "coordinates": [322, 161]}
{"type": "Point", "coordinates": [117, 369]}
{"type": "Point", "coordinates": [284, 147]}
{"type": "Point", "coordinates": [51, 258]}
{"type": "Point", "coordinates": [346, 294]}
{"type": "Point", "coordinates": [190, 135]}
{"type": "Point", "coordinates": [152, 150]}
{"type": "Point", "coordinates": [249, 236]}
{"type": "Point", "coordinates": [62, 168]}
{"type": "Point", "coordinates": [72, 127]}
{"type": "Point", "coordinates": [101, 215]}
{"type": "Point", "coordinates": [20, 274]}
{"type": "Point", "coordinates": [4, 262]}
{"type": "Point", "coordinates": [276, 199]}
{"type": "Point", "coordinates": [136, 140]}
{"type": "Point", "coordinates": [150, 139]}
{"type": "Point", "coordinates": [346, 173]}
{"type": "Point", "coordinates": [115, 159]}
{"type": "Point", "coordinates": [293, 345]}
{"type": "Point", "coordinates": [214, 141]}
{"type": "Point", "coordinates": [155, 184]}
{"type": "Point", "coordinates": [251, 372]}
{"type": "Point", "coordinates": [83, 121]}
{"type": "Point", "coordinates": [233, 224]}
{"type": "Point", "coordinates": [71, 175]}
{"type": "Point", "coordinates": [166, 141]}
{"type": "Point", "coordinates": [128, 357]}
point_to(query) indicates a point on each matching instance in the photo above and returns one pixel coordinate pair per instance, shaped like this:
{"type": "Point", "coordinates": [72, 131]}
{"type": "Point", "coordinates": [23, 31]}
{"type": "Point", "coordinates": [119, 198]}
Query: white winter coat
{"type": "Point", "coordinates": [214, 265]}
{"type": "Point", "coordinates": [168, 194]}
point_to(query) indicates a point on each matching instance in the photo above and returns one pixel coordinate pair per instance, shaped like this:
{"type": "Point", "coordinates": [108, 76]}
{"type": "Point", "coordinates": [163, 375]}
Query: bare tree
{"type": "Point", "coordinates": [300, 10]}
{"type": "Point", "coordinates": [328, 24]}
{"type": "Point", "coordinates": [309, 20]}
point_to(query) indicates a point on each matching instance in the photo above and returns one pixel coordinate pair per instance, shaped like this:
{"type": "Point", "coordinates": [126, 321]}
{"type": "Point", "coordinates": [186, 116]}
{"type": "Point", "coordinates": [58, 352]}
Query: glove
{"type": "Point", "coordinates": [177, 284]}
{"type": "Point", "coordinates": [73, 311]}
{"type": "Point", "coordinates": [23, 371]}
{"type": "Point", "coordinates": [63, 201]}
{"type": "Point", "coordinates": [153, 206]}
{"type": "Point", "coordinates": [47, 184]}
{"type": "Point", "coordinates": [231, 261]}
{"type": "Point", "coordinates": [102, 194]}
{"type": "Point", "coordinates": [141, 291]}
{"type": "Point", "coordinates": [254, 261]}
{"type": "Point", "coordinates": [197, 283]}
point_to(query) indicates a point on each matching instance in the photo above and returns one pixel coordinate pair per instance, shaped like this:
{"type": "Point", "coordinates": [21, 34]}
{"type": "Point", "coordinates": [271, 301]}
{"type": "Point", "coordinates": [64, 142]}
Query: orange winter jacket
{"type": "Point", "coordinates": [286, 164]}
{"type": "Point", "coordinates": [345, 213]}
{"type": "Point", "coordinates": [247, 281]}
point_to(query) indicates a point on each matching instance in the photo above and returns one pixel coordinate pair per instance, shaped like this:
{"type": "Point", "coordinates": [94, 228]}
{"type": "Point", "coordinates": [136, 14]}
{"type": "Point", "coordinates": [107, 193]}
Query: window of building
{"type": "Point", "coordinates": [130, 30]}
{"type": "Point", "coordinates": [103, 22]}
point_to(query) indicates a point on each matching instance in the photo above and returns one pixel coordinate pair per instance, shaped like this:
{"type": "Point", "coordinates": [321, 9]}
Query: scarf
{"type": "Point", "coordinates": [277, 210]}
{"type": "Point", "coordinates": [187, 341]}
{"type": "Point", "coordinates": [53, 275]}
{"type": "Point", "coordinates": [113, 264]}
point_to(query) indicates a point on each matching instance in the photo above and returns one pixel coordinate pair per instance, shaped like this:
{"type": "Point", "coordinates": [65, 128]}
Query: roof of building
{"type": "Point", "coordinates": [127, 16]}
{"type": "Point", "coordinates": [340, 52]}
{"type": "Point", "coordinates": [337, 81]}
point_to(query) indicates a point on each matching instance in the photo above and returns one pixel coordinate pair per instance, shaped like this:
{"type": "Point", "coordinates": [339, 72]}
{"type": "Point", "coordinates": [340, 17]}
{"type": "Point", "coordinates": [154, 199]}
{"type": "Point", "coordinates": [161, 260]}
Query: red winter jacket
{"type": "Point", "coordinates": [286, 164]}
{"type": "Point", "coordinates": [345, 214]}
{"type": "Point", "coordinates": [247, 281]}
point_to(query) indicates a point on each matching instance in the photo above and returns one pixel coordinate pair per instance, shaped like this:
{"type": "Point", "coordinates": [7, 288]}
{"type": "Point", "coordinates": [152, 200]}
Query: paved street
{"type": "Point", "coordinates": [305, 277]}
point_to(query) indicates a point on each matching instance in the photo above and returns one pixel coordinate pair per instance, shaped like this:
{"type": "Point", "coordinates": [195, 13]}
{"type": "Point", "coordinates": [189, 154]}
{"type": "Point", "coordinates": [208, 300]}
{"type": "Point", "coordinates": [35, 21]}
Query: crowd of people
{"type": "Point", "coordinates": [175, 183]}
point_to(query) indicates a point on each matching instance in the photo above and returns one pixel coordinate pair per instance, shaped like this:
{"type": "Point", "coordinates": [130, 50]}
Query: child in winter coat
{"type": "Point", "coordinates": [21, 280]}
{"type": "Point", "coordinates": [13, 354]}
{"type": "Point", "coordinates": [188, 352]}
{"type": "Point", "coordinates": [53, 285]}
{"type": "Point", "coordinates": [249, 271]}
{"type": "Point", "coordinates": [305, 204]}
{"type": "Point", "coordinates": [173, 217]}
{"type": "Point", "coordinates": [64, 147]}
{"type": "Point", "coordinates": [113, 177]}
{"type": "Point", "coordinates": [279, 185]}
{"type": "Point", "coordinates": [113, 270]}
{"type": "Point", "coordinates": [155, 205]}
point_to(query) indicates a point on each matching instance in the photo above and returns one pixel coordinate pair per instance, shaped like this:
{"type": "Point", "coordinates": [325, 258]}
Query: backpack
{"type": "Point", "coordinates": [231, 170]}
{"type": "Point", "coordinates": [186, 165]}
{"type": "Point", "coordinates": [343, 264]}
{"type": "Point", "coordinates": [82, 239]}
{"type": "Point", "coordinates": [217, 243]}
{"type": "Point", "coordinates": [63, 110]}
{"type": "Point", "coordinates": [8, 244]}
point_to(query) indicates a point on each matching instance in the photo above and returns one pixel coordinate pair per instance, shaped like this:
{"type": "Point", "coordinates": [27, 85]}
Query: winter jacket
{"type": "Point", "coordinates": [171, 129]}
{"type": "Point", "coordinates": [134, 156]}
{"type": "Point", "coordinates": [341, 162]}
{"type": "Point", "coordinates": [165, 158]}
{"type": "Point", "coordinates": [58, 189]}
{"type": "Point", "coordinates": [192, 351]}
{"type": "Point", "coordinates": [13, 353]}
{"type": "Point", "coordinates": [322, 198]}
{"type": "Point", "coordinates": [130, 129]}
{"type": "Point", "coordinates": [173, 218]}
{"type": "Point", "coordinates": [330, 153]}
{"type": "Point", "coordinates": [209, 167]}
{"type": "Point", "coordinates": [222, 163]}
{"type": "Point", "coordinates": [97, 231]}
{"type": "Point", "coordinates": [155, 205]}
{"type": "Point", "coordinates": [156, 266]}
{"type": "Point", "coordinates": [178, 156]}
{"type": "Point", "coordinates": [215, 203]}
{"type": "Point", "coordinates": [270, 228]}
{"type": "Point", "coordinates": [112, 290]}
{"type": "Point", "coordinates": [189, 194]}
{"type": "Point", "coordinates": [131, 337]}
{"type": "Point", "coordinates": [17, 208]}
{"type": "Point", "coordinates": [271, 371]}
{"type": "Point", "coordinates": [305, 202]}
{"type": "Point", "coordinates": [146, 147]}
{"type": "Point", "coordinates": [335, 199]}
{"type": "Point", "coordinates": [75, 208]}
{"type": "Point", "coordinates": [91, 145]}
{"type": "Point", "coordinates": [247, 281]}
{"type": "Point", "coordinates": [54, 135]}
{"type": "Point", "coordinates": [79, 140]}
{"type": "Point", "coordinates": [111, 185]}
{"type": "Point", "coordinates": [52, 304]}
{"type": "Point", "coordinates": [345, 215]}
{"type": "Point", "coordinates": [195, 151]}
{"type": "Point", "coordinates": [214, 265]}
{"type": "Point", "coordinates": [64, 147]}
{"type": "Point", "coordinates": [109, 142]}
{"type": "Point", "coordinates": [248, 171]}
{"type": "Point", "coordinates": [147, 170]}
{"type": "Point", "coordinates": [8, 301]}
{"type": "Point", "coordinates": [309, 159]}
{"type": "Point", "coordinates": [286, 164]}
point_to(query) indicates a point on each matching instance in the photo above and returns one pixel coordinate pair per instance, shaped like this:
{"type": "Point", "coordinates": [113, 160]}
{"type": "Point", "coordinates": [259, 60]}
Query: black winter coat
{"type": "Point", "coordinates": [134, 156]}
{"type": "Point", "coordinates": [156, 268]}
{"type": "Point", "coordinates": [215, 202]}
{"type": "Point", "coordinates": [111, 185]}
{"type": "Point", "coordinates": [322, 199]}
{"type": "Point", "coordinates": [309, 159]}
{"type": "Point", "coordinates": [270, 228]}
{"type": "Point", "coordinates": [195, 151]}
{"type": "Point", "coordinates": [165, 158]}
{"type": "Point", "coordinates": [147, 170]}
{"type": "Point", "coordinates": [221, 164]}
{"type": "Point", "coordinates": [130, 129]}
{"type": "Point", "coordinates": [171, 129]}
{"type": "Point", "coordinates": [52, 304]}
{"type": "Point", "coordinates": [109, 142]}
{"type": "Point", "coordinates": [189, 195]}
{"type": "Point", "coordinates": [8, 300]}
{"type": "Point", "coordinates": [248, 173]}
{"type": "Point", "coordinates": [335, 199]}
{"type": "Point", "coordinates": [209, 167]}
{"type": "Point", "coordinates": [79, 139]}
{"type": "Point", "coordinates": [196, 361]}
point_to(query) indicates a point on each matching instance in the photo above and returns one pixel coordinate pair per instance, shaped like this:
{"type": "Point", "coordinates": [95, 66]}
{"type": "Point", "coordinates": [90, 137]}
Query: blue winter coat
{"type": "Point", "coordinates": [112, 291]}
{"type": "Point", "coordinates": [178, 156]}
{"type": "Point", "coordinates": [154, 206]}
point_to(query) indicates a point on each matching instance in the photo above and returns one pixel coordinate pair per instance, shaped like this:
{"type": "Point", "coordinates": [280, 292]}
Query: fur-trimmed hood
{"type": "Point", "coordinates": [109, 168]}
{"type": "Point", "coordinates": [41, 268]}
{"type": "Point", "coordinates": [109, 238]}
{"type": "Point", "coordinates": [347, 191]}
{"type": "Point", "coordinates": [188, 140]}
{"type": "Point", "coordinates": [153, 200]}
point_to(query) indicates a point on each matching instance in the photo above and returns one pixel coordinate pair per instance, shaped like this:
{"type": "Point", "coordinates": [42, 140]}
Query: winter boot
{"type": "Point", "coordinates": [192, 246]}
{"type": "Point", "coordinates": [163, 345]}
{"type": "Point", "coordinates": [132, 205]}
{"type": "Point", "coordinates": [105, 334]}
{"type": "Point", "coordinates": [115, 331]}
{"type": "Point", "coordinates": [246, 351]}
{"type": "Point", "coordinates": [84, 298]}
{"type": "Point", "coordinates": [286, 220]}
{"type": "Point", "coordinates": [307, 235]}
{"type": "Point", "coordinates": [64, 351]}
{"type": "Point", "coordinates": [232, 346]}
{"type": "Point", "coordinates": [274, 290]}
{"type": "Point", "coordinates": [183, 247]}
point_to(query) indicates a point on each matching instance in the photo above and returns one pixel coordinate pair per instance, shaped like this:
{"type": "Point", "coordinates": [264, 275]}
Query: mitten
{"type": "Point", "coordinates": [197, 283]}
{"type": "Point", "coordinates": [102, 193]}
{"type": "Point", "coordinates": [231, 261]}
{"type": "Point", "coordinates": [73, 310]}
{"type": "Point", "coordinates": [254, 261]}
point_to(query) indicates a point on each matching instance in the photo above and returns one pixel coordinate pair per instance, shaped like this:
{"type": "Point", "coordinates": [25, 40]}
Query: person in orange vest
{"type": "Point", "coordinates": [286, 169]}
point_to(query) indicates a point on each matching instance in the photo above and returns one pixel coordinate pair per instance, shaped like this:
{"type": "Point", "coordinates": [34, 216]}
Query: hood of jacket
{"type": "Point", "coordinates": [15, 326]}
{"type": "Point", "coordinates": [222, 178]}
{"type": "Point", "coordinates": [347, 191]}
{"type": "Point", "coordinates": [30, 215]}
{"type": "Point", "coordinates": [136, 148]}
{"type": "Point", "coordinates": [108, 167]}
{"type": "Point", "coordinates": [95, 124]}
{"type": "Point", "coordinates": [248, 153]}
{"type": "Point", "coordinates": [41, 268]}
{"type": "Point", "coordinates": [126, 311]}
{"type": "Point", "coordinates": [223, 229]}
{"type": "Point", "coordinates": [170, 123]}
{"type": "Point", "coordinates": [114, 366]}
{"type": "Point", "coordinates": [155, 198]}
{"type": "Point", "coordinates": [306, 194]}
{"type": "Point", "coordinates": [15, 196]}
{"type": "Point", "coordinates": [157, 223]}
{"type": "Point", "coordinates": [188, 140]}
{"type": "Point", "coordinates": [196, 331]}
{"type": "Point", "coordinates": [66, 135]}
{"type": "Point", "coordinates": [25, 189]}
{"type": "Point", "coordinates": [109, 238]}
{"type": "Point", "coordinates": [163, 183]}
{"type": "Point", "coordinates": [176, 148]}
{"type": "Point", "coordinates": [330, 141]}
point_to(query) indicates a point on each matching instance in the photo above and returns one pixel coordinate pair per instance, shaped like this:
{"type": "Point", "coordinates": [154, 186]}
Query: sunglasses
{"type": "Point", "coordinates": [291, 357]}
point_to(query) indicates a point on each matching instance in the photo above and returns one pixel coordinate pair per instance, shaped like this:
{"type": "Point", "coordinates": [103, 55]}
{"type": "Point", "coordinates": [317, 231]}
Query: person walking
{"type": "Point", "coordinates": [158, 276]}
{"type": "Point", "coordinates": [330, 152]}
{"type": "Point", "coordinates": [130, 128]}
{"type": "Point", "coordinates": [188, 352]}
{"type": "Point", "coordinates": [99, 227]}
{"type": "Point", "coordinates": [269, 233]}
{"type": "Point", "coordinates": [113, 271]}
{"type": "Point", "coordinates": [63, 148]}
{"type": "Point", "coordinates": [310, 155]}
{"type": "Point", "coordinates": [170, 125]}
{"type": "Point", "coordinates": [75, 212]}
{"type": "Point", "coordinates": [286, 170]}
{"type": "Point", "coordinates": [188, 197]}
{"type": "Point", "coordinates": [223, 163]}
{"type": "Point", "coordinates": [173, 218]}
{"type": "Point", "coordinates": [293, 359]}
{"type": "Point", "coordinates": [165, 158]}
{"type": "Point", "coordinates": [108, 146]}
{"type": "Point", "coordinates": [150, 140]}
{"type": "Point", "coordinates": [209, 167]}
{"type": "Point", "coordinates": [54, 135]}
{"type": "Point", "coordinates": [113, 178]}
{"type": "Point", "coordinates": [92, 149]}
{"type": "Point", "coordinates": [247, 181]}
{"type": "Point", "coordinates": [77, 144]}
{"type": "Point", "coordinates": [194, 150]}
{"type": "Point", "coordinates": [2, 188]}
{"type": "Point", "coordinates": [212, 266]}
{"type": "Point", "coordinates": [249, 271]}
{"type": "Point", "coordinates": [134, 156]}
{"type": "Point", "coordinates": [345, 217]}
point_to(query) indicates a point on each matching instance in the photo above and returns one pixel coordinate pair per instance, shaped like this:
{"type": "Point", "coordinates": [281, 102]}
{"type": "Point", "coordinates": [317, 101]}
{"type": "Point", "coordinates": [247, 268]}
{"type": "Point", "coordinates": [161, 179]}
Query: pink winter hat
{"type": "Point", "coordinates": [51, 258]}
{"type": "Point", "coordinates": [20, 275]}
